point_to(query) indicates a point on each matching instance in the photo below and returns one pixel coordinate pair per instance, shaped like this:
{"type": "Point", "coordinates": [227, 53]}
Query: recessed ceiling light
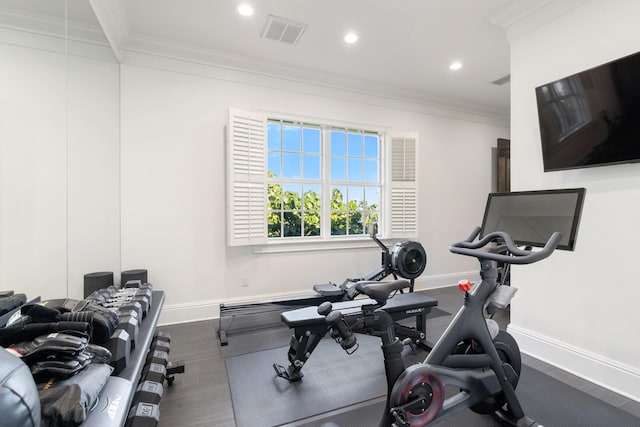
{"type": "Point", "coordinates": [245, 9]}
{"type": "Point", "coordinates": [456, 65]}
{"type": "Point", "coordinates": [351, 37]}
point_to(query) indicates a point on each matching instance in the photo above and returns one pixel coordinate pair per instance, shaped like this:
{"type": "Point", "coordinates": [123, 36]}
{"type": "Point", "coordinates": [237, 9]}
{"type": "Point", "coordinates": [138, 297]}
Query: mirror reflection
{"type": "Point", "coordinates": [59, 148]}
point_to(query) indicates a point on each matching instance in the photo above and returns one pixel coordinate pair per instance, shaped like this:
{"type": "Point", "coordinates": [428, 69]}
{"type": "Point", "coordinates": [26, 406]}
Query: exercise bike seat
{"type": "Point", "coordinates": [380, 291]}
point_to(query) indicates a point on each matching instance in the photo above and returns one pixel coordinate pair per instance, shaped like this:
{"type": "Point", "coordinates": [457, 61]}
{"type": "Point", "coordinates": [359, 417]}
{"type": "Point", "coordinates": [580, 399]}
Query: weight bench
{"type": "Point", "coordinates": [310, 327]}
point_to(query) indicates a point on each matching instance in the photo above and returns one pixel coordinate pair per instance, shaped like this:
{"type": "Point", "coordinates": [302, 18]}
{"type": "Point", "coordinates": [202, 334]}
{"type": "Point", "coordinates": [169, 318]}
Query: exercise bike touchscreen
{"type": "Point", "coordinates": [531, 217]}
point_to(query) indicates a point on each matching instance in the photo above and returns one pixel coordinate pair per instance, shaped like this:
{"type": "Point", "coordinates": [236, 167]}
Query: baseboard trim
{"type": "Point", "coordinates": [173, 314]}
{"type": "Point", "coordinates": [207, 310]}
{"type": "Point", "coordinates": [210, 309]}
{"type": "Point", "coordinates": [608, 373]}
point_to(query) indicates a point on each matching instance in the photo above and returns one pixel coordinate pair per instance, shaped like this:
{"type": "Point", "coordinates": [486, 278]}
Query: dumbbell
{"type": "Point", "coordinates": [143, 415]}
{"type": "Point", "coordinates": [130, 324]}
{"type": "Point", "coordinates": [147, 292]}
{"type": "Point", "coordinates": [133, 290]}
{"type": "Point", "coordinates": [138, 284]}
{"type": "Point", "coordinates": [148, 392]}
{"type": "Point", "coordinates": [131, 305]}
{"type": "Point", "coordinates": [128, 312]}
{"type": "Point", "coordinates": [154, 372]}
{"type": "Point", "coordinates": [160, 344]}
{"type": "Point", "coordinates": [142, 299]}
{"type": "Point", "coordinates": [133, 284]}
{"type": "Point", "coordinates": [159, 357]}
{"type": "Point", "coordinates": [129, 290]}
{"type": "Point", "coordinates": [101, 295]}
{"type": "Point", "coordinates": [166, 336]}
{"type": "Point", "coordinates": [140, 294]}
{"type": "Point", "coordinates": [121, 298]}
{"type": "Point", "coordinates": [120, 346]}
{"type": "Point", "coordinates": [135, 305]}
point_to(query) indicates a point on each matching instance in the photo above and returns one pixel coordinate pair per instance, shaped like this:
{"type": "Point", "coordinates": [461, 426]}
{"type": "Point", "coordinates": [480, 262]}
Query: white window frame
{"type": "Point", "coordinates": [247, 187]}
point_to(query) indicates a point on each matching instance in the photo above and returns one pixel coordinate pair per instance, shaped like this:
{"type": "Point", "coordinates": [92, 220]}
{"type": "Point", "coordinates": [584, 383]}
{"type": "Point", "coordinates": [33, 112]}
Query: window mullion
{"type": "Point", "coordinates": [325, 204]}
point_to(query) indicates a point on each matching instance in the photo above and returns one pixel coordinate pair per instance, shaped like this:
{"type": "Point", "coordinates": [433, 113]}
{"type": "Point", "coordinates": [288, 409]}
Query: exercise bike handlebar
{"type": "Point", "coordinates": [518, 256]}
{"type": "Point", "coordinates": [340, 330]}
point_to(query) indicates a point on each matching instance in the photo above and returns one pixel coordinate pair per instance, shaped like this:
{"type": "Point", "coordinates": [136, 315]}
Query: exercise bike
{"type": "Point", "coordinates": [472, 355]}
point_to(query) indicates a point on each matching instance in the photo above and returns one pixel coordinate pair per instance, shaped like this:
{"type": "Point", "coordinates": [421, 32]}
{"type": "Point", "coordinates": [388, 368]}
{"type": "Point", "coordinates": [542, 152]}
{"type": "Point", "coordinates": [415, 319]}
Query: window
{"type": "Point", "coordinates": [293, 181]}
{"type": "Point", "coordinates": [300, 195]}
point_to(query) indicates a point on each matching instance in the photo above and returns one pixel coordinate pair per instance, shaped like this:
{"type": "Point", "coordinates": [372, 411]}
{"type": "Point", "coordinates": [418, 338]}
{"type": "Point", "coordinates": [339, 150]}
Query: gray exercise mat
{"type": "Point", "coordinates": [548, 401]}
{"type": "Point", "coordinates": [332, 379]}
{"type": "Point", "coordinates": [348, 391]}
{"type": "Point", "coordinates": [250, 342]}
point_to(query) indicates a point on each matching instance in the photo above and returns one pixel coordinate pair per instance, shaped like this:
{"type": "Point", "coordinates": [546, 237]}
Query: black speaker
{"type": "Point", "coordinates": [140, 274]}
{"type": "Point", "coordinates": [97, 281]}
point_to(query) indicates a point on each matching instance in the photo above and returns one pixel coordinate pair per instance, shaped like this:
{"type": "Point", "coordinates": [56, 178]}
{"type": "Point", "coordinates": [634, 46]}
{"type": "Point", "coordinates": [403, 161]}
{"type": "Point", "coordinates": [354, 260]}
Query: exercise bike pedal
{"type": "Point", "coordinates": [418, 404]}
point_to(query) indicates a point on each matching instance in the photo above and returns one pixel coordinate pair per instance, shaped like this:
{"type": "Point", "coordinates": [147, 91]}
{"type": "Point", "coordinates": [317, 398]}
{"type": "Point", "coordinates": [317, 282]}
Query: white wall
{"type": "Point", "coordinates": [59, 166]}
{"type": "Point", "coordinates": [579, 310]}
{"type": "Point", "coordinates": [173, 184]}
{"type": "Point", "coordinates": [93, 170]}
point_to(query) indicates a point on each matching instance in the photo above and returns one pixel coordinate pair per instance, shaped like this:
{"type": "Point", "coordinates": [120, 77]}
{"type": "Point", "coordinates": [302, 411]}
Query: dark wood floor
{"type": "Point", "coordinates": [201, 396]}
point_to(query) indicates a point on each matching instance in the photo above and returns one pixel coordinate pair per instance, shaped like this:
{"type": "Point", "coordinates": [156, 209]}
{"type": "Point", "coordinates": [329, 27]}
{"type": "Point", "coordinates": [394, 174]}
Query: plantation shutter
{"type": "Point", "coordinates": [403, 190]}
{"type": "Point", "coordinates": [246, 179]}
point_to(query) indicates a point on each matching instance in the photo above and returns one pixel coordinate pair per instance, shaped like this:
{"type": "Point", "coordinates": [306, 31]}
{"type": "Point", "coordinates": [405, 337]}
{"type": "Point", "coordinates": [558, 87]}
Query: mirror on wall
{"type": "Point", "coordinates": [59, 148]}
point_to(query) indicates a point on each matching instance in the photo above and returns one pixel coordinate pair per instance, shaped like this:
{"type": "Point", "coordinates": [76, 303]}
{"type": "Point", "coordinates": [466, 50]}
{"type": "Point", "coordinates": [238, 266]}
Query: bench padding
{"type": "Point", "coordinates": [308, 316]}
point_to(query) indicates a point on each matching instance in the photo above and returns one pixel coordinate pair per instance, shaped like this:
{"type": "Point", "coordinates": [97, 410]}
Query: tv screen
{"type": "Point", "coordinates": [531, 217]}
{"type": "Point", "coordinates": [591, 118]}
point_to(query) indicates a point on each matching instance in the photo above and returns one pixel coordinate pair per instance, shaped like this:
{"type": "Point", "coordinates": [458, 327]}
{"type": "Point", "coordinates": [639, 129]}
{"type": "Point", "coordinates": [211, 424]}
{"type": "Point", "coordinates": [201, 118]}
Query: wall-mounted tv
{"type": "Point", "coordinates": [591, 118]}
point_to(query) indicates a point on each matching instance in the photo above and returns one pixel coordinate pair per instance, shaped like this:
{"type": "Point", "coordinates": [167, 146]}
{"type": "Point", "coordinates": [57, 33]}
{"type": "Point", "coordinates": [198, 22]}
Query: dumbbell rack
{"type": "Point", "coordinates": [116, 397]}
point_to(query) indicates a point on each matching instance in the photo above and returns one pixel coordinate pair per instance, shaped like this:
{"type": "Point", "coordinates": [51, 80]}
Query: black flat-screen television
{"type": "Point", "coordinates": [531, 217]}
{"type": "Point", "coordinates": [591, 118]}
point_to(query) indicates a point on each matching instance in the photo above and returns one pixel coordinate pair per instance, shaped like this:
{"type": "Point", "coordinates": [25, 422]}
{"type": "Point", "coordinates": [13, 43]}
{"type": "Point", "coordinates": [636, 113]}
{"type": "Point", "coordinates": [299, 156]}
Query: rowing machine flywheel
{"type": "Point", "coordinates": [408, 259]}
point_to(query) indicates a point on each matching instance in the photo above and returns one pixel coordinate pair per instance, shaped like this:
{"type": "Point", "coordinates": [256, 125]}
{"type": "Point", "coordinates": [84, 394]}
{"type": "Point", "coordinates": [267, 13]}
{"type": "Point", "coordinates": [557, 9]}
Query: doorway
{"type": "Point", "coordinates": [504, 165]}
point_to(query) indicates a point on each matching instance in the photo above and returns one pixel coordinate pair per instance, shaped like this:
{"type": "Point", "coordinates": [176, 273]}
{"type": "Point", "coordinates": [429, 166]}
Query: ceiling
{"type": "Point", "coordinates": [404, 49]}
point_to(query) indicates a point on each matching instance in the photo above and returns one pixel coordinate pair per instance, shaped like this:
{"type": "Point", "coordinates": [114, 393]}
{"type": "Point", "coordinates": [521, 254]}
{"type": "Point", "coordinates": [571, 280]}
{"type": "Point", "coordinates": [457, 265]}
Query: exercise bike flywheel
{"type": "Point", "coordinates": [408, 259]}
{"type": "Point", "coordinates": [420, 392]}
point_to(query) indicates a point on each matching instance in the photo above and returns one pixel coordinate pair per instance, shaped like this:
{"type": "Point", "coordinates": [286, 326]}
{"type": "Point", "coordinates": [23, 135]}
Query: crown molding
{"type": "Point", "coordinates": [215, 64]}
{"type": "Point", "coordinates": [321, 89]}
{"type": "Point", "coordinates": [52, 27]}
{"type": "Point", "coordinates": [50, 34]}
{"type": "Point", "coordinates": [521, 17]}
{"type": "Point", "coordinates": [113, 20]}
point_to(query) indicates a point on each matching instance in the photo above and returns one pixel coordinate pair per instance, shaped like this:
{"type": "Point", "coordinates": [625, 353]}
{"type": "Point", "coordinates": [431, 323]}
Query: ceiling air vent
{"type": "Point", "coordinates": [502, 80]}
{"type": "Point", "coordinates": [283, 30]}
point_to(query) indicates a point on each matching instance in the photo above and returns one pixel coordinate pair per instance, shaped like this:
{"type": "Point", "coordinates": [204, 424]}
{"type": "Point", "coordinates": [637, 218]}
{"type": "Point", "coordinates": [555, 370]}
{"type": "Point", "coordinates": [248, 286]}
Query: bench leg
{"type": "Point", "coordinates": [303, 342]}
